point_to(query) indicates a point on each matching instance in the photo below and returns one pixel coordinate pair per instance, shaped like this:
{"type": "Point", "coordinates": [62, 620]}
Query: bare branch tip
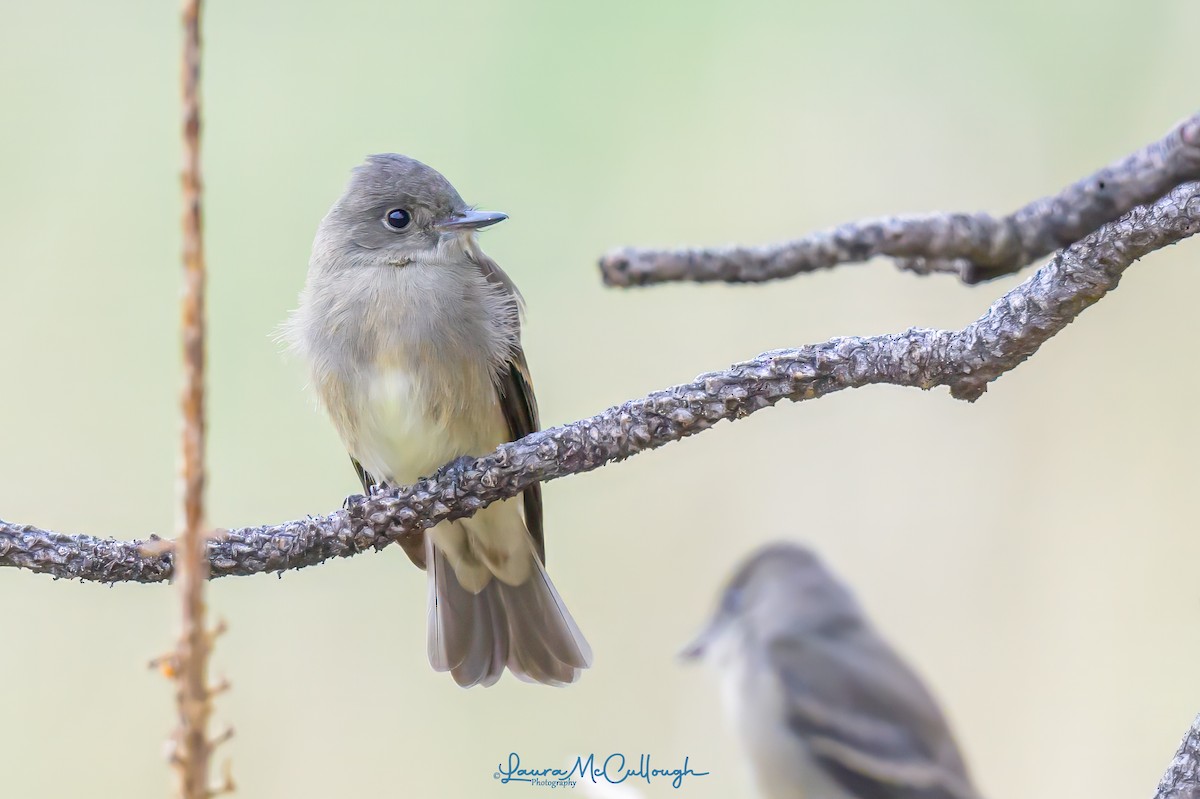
{"type": "Point", "coordinates": [167, 665]}
{"type": "Point", "coordinates": [224, 737]}
{"type": "Point", "coordinates": [155, 547]}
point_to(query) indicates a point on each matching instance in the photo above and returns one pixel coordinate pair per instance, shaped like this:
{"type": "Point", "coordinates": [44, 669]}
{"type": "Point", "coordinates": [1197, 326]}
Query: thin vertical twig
{"type": "Point", "coordinates": [193, 749]}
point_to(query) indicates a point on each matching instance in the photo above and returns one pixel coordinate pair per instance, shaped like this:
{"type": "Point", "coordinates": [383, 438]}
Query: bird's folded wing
{"type": "Point", "coordinates": [867, 720]}
{"type": "Point", "coordinates": [515, 393]}
{"type": "Point", "coordinates": [514, 390]}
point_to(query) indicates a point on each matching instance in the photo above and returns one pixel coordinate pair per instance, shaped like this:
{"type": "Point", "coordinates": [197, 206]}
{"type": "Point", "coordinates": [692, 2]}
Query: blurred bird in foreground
{"type": "Point", "coordinates": [413, 340]}
{"type": "Point", "coordinates": [825, 708]}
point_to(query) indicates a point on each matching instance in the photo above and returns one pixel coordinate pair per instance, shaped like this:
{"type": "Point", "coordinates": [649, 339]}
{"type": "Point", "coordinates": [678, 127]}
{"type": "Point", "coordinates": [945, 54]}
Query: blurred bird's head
{"type": "Point", "coordinates": [783, 590]}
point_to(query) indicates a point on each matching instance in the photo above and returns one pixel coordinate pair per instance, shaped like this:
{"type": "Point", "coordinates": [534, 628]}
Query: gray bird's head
{"type": "Point", "coordinates": [783, 590]}
{"type": "Point", "coordinates": [400, 210]}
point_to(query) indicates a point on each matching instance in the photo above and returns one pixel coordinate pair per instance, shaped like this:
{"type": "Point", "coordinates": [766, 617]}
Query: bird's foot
{"type": "Point", "coordinates": [354, 500]}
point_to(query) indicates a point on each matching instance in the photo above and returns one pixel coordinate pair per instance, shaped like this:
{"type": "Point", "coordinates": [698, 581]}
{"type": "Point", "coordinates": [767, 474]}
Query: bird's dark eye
{"type": "Point", "coordinates": [397, 219]}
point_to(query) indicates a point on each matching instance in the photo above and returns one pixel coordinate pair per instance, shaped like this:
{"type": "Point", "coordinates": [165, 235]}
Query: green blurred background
{"type": "Point", "coordinates": [1034, 554]}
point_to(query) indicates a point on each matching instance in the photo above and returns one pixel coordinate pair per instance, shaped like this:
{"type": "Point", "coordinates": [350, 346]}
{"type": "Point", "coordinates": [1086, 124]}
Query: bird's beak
{"type": "Point", "coordinates": [699, 645]}
{"type": "Point", "coordinates": [470, 220]}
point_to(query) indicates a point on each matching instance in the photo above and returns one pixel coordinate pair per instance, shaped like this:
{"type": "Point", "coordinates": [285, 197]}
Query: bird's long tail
{"type": "Point", "coordinates": [477, 629]}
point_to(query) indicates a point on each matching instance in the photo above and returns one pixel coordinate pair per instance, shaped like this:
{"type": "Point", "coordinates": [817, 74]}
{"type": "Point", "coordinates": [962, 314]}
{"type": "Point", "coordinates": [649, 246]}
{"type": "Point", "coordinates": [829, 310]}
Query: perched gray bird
{"type": "Point", "coordinates": [825, 708]}
{"type": "Point", "coordinates": [412, 337]}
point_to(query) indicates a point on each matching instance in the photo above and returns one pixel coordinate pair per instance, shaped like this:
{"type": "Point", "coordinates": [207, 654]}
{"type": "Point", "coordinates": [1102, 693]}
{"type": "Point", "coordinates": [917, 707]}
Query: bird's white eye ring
{"type": "Point", "coordinates": [397, 219]}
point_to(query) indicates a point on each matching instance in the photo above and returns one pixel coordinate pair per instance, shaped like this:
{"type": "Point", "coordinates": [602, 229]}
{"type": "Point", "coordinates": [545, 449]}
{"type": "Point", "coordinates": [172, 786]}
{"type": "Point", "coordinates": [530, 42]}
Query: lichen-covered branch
{"type": "Point", "coordinates": [1182, 777]}
{"type": "Point", "coordinates": [964, 360]}
{"type": "Point", "coordinates": [976, 247]}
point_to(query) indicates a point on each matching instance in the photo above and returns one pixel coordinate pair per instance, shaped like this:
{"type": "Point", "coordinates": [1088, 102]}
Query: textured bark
{"type": "Point", "coordinates": [1182, 778]}
{"type": "Point", "coordinates": [965, 361]}
{"type": "Point", "coordinates": [976, 247]}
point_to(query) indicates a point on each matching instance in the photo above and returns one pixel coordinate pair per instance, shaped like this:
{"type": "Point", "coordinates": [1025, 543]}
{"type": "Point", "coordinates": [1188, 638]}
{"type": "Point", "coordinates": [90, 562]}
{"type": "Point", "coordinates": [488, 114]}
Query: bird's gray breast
{"type": "Point", "coordinates": [409, 357]}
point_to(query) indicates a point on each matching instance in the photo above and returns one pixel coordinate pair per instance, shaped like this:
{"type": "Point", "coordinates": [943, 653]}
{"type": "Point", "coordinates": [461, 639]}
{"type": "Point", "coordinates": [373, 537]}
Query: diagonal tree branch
{"type": "Point", "coordinates": [976, 247]}
{"type": "Point", "coordinates": [964, 360]}
{"type": "Point", "coordinates": [1182, 778]}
